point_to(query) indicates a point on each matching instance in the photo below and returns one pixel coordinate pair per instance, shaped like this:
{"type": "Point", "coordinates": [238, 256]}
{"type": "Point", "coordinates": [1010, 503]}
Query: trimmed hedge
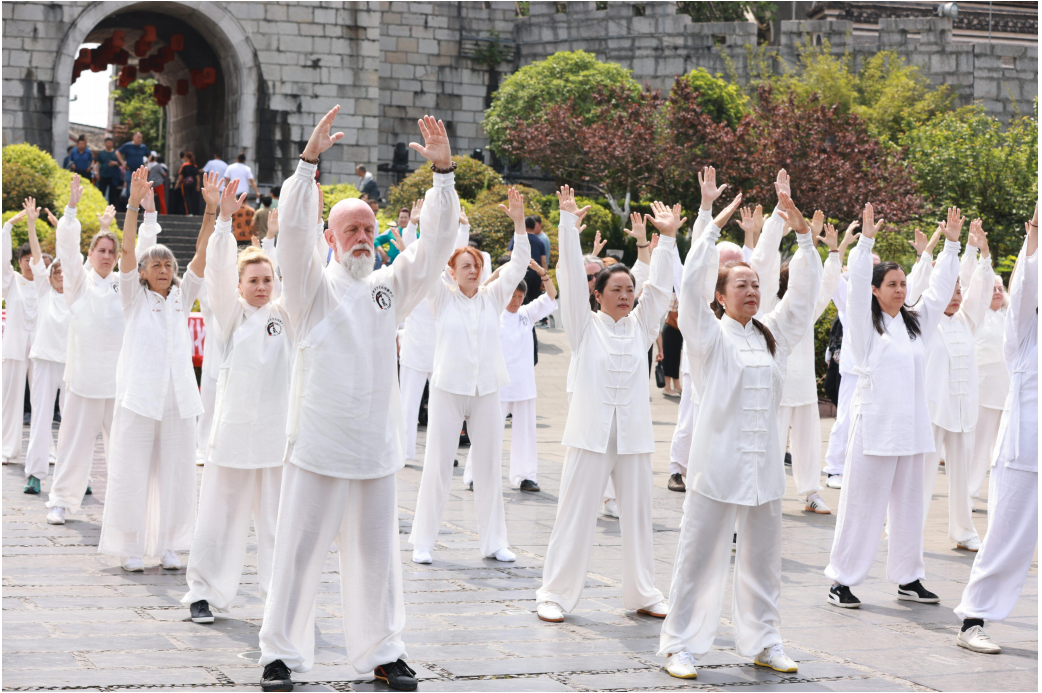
{"type": "Point", "coordinates": [472, 178]}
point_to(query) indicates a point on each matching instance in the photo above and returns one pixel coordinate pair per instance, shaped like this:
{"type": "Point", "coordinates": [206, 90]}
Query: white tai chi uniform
{"type": "Point", "coordinates": [48, 357]}
{"type": "Point", "coordinates": [836, 452]}
{"type": "Point", "coordinates": [150, 501]}
{"type": "Point", "coordinates": [208, 378]}
{"type": "Point", "coordinates": [608, 432]}
{"type": "Point", "coordinates": [243, 471]}
{"type": "Point", "coordinates": [1002, 564]}
{"type": "Point", "coordinates": [993, 383]}
{"type": "Point", "coordinates": [890, 426]}
{"type": "Point", "coordinates": [469, 369]}
{"type": "Point", "coordinates": [952, 397]}
{"type": "Point", "coordinates": [20, 300]}
{"type": "Point", "coordinates": [737, 470]}
{"type": "Point", "coordinates": [95, 341]}
{"type": "Point", "coordinates": [346, 432]}
{"type": "Point", "coordinates": [518, 397]}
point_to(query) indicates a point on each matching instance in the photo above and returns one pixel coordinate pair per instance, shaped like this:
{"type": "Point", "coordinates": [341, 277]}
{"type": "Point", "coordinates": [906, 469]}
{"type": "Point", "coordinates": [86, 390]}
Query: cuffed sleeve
{"type": "Point", "coordinates": [942, 285]}
{"type": "Point", "coordinates": [511, 274]}
{"type": "Point", "coordinates": [859, 302]}
{"type": "Point", "coordinates": [299, 256]}
{"type": "Point", "coordinates": [1022, 315]}
{"type": "Point", "coordinates": [657, 292]}
{"type": "Point", "coordinates": [976, 293]}
{"type": "Point", "coordinates": [698, 324]}
{"type": "Point", "coordinates": [967, 265]}
{"type": "Point", "coordinates": [794, 314]}
{"type": "Point", "coordinates": [67, 248]}
{"type": "Point", "coordinates": [8, 256]}
{"type": "Point", "coordinates": [222, 278]}
{"type": "Point", "coordinates": [571, 276]}
{"type": "Point", "coordinates": [148, 232]}
{"type": "Point", "coordinates": [766, 259]}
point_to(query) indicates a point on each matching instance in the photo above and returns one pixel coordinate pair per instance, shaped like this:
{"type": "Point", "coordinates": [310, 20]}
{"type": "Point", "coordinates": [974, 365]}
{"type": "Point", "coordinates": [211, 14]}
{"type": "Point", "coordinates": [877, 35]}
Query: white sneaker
{"type": "Point", "coordinates": [681, 665]}
{"type": "Point", "coordinates": [775, 658]}
{"type": "Point", "coordinates": [505, 555]}
{"type": "Point", "coordinates": [976, 640]}
{"type": "Point", "coordinates": [657, 610]}
{"type": "Point", "coordinates": [550, 612]}
{"type": "Point", "coordinates": [611, 508]}
{"type": "Point", "coordinates": [132, 564]}
{"type": "Point", "coordinates": [816, 505]}
{"type": "Point", "coordinates": [834, 481]}
{"type": "Point", "coordinates": [170, 561]}
{"type": "Point", "coordinates": [971, 545]}
{"type": "Point", "coordinates": [56, 515]}
{"type": "Point", "coordinates": [422, 557]}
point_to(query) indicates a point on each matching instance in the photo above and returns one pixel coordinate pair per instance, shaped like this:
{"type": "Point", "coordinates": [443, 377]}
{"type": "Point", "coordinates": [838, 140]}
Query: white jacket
{"type": "Point", "coordinates": [736, 453]}
{"type": "Point", "coordinates": [20, 300]}
{"type": "Point", "coordinates": [608, 376]}
{"type": "Point", "coordinates": [96, 329]}
{"type": "Point", "coordinates": [254, 350]}
{"type": "Point", "coordinates": [52, 321]}
{"type": "Point", "coordinates": [992, 375]}
{"type": "Point", "coordinates": [468, 355]}
{"type": "Point", "coordinates": [515, 332]}
{"type": "Point", "coordinates": [891, 390]}
{"type": "Point", "coordinates": [345, 415]}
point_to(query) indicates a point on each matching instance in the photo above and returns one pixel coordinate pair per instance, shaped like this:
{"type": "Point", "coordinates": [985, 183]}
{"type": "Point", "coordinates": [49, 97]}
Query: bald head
{"type": "Point", "coordinates": [729, 252]}
{"type": "Point", "coordinates": [350, 211]}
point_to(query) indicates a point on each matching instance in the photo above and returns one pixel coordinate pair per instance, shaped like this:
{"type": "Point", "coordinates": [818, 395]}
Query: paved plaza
{"type": "Point", "coordinates": [73, 619]}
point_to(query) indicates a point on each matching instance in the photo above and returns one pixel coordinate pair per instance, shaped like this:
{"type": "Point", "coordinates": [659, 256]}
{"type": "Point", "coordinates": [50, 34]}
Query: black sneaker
{"type": "Point", "coordinates": [676, 483]}
{"type": "Point", "coordinates": [276, 677]}
{"type": "Point", "coordinates": [89, 492]}
{"type": "Point", "coordinates": [788, 459]}
{"type": "Point", "coordinates": [841, 596]}
{"type": "Point", "coordinates": [398, 675]}
{"type": "Point", "coordinates": [915, 592]}
{"type": "Point", "coordinates": [470, 486]}
{"type": "Point", "coordinates": [201, 612]}
{"type": "Point", "coordinates": [529, 485]}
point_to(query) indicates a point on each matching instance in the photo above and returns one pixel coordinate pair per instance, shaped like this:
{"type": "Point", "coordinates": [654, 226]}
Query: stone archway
{"type": "Point", "coordinates": [230, 44]}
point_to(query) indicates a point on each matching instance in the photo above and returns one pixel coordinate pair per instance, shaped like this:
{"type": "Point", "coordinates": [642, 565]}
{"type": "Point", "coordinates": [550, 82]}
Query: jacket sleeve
{"type": "Point", "coordinates": [148, 232]}
{"type": "Point", "coordinates": [221, 277]}
{"type": "Point", "coordinates": [938, 294]}
{"type": "Point", "coordinates": [967, 265]}
{"type": "Point", "coordinates": [698, 325]}
{"type": "Point", "coordinates": [794, 315]}
{"type": "Point", "coordinates": [414, 274]}
{"type": "Point", "coordinates": [766, 259]}
{"type": "Point", "coordinates": [510, 275]}
{"type": "Point", "coordinates": [859, 302]}
{"type": "Point", "coordinates": [8, 256]}
{"type": "Point", "coordinates": [829, 281]}
{"type": "Point", "coordinates": [839, 297]}
{"type": "Point", "coordinates": [540, 308]}
{"type": "Point", "coordinates": [976, 293]}
{"type": "Point", "coordinates": [67, 248]}
{"type": "Point", "coordinates": [641, 271]}
{"type": "Point", "coordinates": [658, 291]}
{"type": "Point", "coordinates": [300, 260]}
{"type": "Point", "coordinates": [918, 279]}
{"type": "Point", "coordinates": [571, 276]}
{"type": "Point", "coordinates": [1022, 315]}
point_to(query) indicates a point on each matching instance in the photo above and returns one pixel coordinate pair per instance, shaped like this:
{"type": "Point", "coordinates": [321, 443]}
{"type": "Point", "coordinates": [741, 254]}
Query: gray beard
{"type": "Point", "coordinates": [358, 267]}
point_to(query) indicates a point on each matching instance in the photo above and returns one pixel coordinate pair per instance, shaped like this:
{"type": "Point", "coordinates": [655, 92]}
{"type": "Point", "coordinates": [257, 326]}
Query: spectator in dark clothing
{"type": "Point", "coordinates": [540, 253]}
{"type": "Point", "coordinates": [275, 192]}
{"type": "Point", "coordinates": [81, 158]}
{"type": "Point", "coordinates": [367, 184]}
{"type": "Point", "coordinates": [133, 155]}
{"type": "Point", "coordinates": [108, 171]}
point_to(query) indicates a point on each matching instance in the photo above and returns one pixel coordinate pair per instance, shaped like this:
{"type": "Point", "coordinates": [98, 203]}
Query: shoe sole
{"type": "Point", "coordinates": [649, 613]}
{"type": "Point", "coordinates": [784, 671]}
{"type": "Point", "coordinates": [915, 598]}
{"type": "Point", "coordinates": [834, 602]}
{"type": "Point", "coordinates": [809, 509]}
{"type": "Point", "coordinates": [171, 567]}
{"type": "Point", "coordinates": [134, 570]}
{"type": "Point", "coordinates": [966, 548]}
{"type": "Point", "coordinates": [530, 490]}
{"type": "Point", "coordinates": [678, 490]}
{"type": "Point", "coordinates": [52, 522]}
{"type": "Point", "coordinates": [974, 649]}
{"type": "Point", "coordinates": [678, 676]}
{"type": "Point", "coordinates": [551, 620]}
{"type": "Point", "coordinates": [287, 686]}
{"type": "Point", "coordinates": [384, 679]}
{"type": "Point", "coordinates": [202, 619]}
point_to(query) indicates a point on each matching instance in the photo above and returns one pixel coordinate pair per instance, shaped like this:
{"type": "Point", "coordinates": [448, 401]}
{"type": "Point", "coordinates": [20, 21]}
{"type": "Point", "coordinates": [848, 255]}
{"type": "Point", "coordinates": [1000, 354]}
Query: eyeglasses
{"type": "Point", "coordinates": [589, 277]}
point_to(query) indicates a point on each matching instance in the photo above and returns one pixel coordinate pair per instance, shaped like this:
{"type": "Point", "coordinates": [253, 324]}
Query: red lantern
{"type": "Point", "coordinates": [156, 64]}
{"type": "Point", "coordinates": [209, 76]}
{"type": "Point", "coordinates": [144, 66]}
{"type": "Point", "coordinates": [177, 43]}
{"type": "Point", "coordinates": [130, 73]}
{"type": "Point", "coordinates": [119, 39]}
{"type": "Point", "coordinates": [121, 57]}
{"type": "Point", "coordinates": [141, 48]}
{"type": "Point", "coordinates": [166, 54]}
{"type": "Point", "coordinates": [97, 62]}
{"type": "Point", "coordinates": [149, 33]}
{"type": "Point", "coordinates": [182, 87]}
{"type": "Point", "coordinates": [197, 79]}
{"type": "Point", "coordinates": [84, 57]}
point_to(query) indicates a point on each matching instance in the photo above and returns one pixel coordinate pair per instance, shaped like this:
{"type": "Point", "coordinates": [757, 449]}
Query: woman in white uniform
{"type": "Point", "coordinates": [993, 385]}
{"type": "Point", "coordinates": [48, 357]}
{"type": "Point", "coordinates": [19, 294]}
{"type": "Point", "coordinates": [890, 418]}
{"type": "Point", "coordinates": [150, 503]}
{"type": "Point", "coordinates": [243, 472]}
{"type": "Point", "coordinates": [951, 370]}
{"type": "Point", "coordinates": [91, 292]}
{"type": "Point", "coordinates": [737, 472]}
{"type": "Point", "coordinates": [469, 370]}
{"type": "Point", "coordinates": [1005, 557]}
{"type": "Point", "coordinates": [608, 432]}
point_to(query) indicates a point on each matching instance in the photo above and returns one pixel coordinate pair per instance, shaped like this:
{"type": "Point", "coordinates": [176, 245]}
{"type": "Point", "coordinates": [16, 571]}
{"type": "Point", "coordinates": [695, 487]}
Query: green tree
{"type": "Point", "coordinates": [720, 100]}
{"type": "Point", "coordinates": [563, 77]}
{"type": "Point", "coordinates": [736, 11]}
{"type": "Point", "coordinates": [472, 178]}
{"type": "Point", "coordinates": [138, 110]}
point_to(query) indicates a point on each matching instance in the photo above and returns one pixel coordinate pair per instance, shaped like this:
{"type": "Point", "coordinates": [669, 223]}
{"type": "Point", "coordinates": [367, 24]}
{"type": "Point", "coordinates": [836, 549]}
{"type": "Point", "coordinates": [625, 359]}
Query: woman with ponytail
{"type": "Point", "coordinates": [890, 430]}
{"type": "Point", "coordinates": [738, 473]}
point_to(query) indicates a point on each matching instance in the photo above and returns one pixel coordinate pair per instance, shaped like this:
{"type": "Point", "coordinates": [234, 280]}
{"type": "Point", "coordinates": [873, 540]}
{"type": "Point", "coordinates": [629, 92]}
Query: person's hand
{"type": "Point", "coordinates": [831, 238]}
{"type": "Point", "coordinates": [463, 220]}
{"type": "Point", "coordinates": [816, 224]}
{"type": "Point", "coordinates": [273, 224]}
{"type": "Point", "coordinates": [935, 238]}
{"type": "Point", "coordinates": [255, 241]}
{"type": "Point", "coordinates": [396, 239]}
{"type": "Point", "coordinates": [516, 210]}
{"type": "Point", "coordinates": [659, 356]}
{"type": "Point", "coordinates": [978, 238]}
{"type": "Point", "coordinates": [639, 230]}
{"type": "Point", "coordinates": [666, 220]}
{"type": "Point", "coordinates": [849, 236]}
{"type": "Point", "coordinates": [320, 139]}
{"type": "Point", "coordinates": [212, 190]}
{"type": "Point", "coordinates": [54, 222]}
{"type": "Point", "coordinates": [781, 184]}
{"type": "Point", "coordinates": [725, 214]}
{"type": "Point", "coordinates": [139, 185]}
{"type": "Point", "coordinates": [32, 212]}
{"type": "Point", "coordinates": [871, 226]}
{"type": "Point", "coordinates": [76, 190]}
{"type": "Point", "coordinates": [919, 242]}
{"type": "Point", "coordinates": [230, 204]}
{"type": "Point", "coordinates": [148, 202]}
{"type": "Point", "coordinates": [953, 227]}
{"type": "Point", "coordinates": [537, 268]}
{"type": "Point", "coordinates": [747, 222]}
{"type": "Point", "coordinates": [16, 218]}
{"type": "Point", "coordinates": [598, 244]}
{"type": "Point", "coordinates": [791, 214]}
{"type": "Point", "coordinates": [435, 147]}
{"type": "Point", "coordinates": [566, 201]}
{"type": "Point", "coordinates": [417, 206]}
{"type": "Point", "coordinates": [759, 219]}
{"type": "Point", "coordinates": [710, 191]}
{"type": "Point", "coordinates": [104, 219]}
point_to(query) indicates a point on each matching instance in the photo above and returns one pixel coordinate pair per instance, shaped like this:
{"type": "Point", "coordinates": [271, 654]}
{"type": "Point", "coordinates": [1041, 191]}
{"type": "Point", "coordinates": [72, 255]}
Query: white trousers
{"type": "Point", "coordinates": [836, 454]}
{"type": "Point", "coordinates": [228, 499]}
{"type": "Point", "coordinates": [1002, 564]}
{"type": "Point", "coordinates": [361, 516]}
{"type": "Point", "coordinates": [412, 383]}
{"type": "Point", "coordinates": [446, 413]}
{"type": "Point", "coordinates": [957, 450]}
{"type": "Point", "coordinates": [524, 451]}
{"type": "Point", "coordinates": [13, 407]}
{"type": "Point", "coordinates": [985, 435]}
{"type": "Point", "coordinates": [700, 570]}
{"type": "Point", "coordinates": [870, 484]}
{"type": "Point", "coordinates": [806, 445]}
{"type": "Point", "coordinates": [48, 381]}
{"type": "Point", "coordinates": [82, 420]}
{"type": "Point", "coordinates": [680, 448]}
{"type": "Point", "coordinates": [150, 499]}
{"type": "Point", "coordinates": [571, 542]}
{"type": "Point", "coordinates": [208, 391]}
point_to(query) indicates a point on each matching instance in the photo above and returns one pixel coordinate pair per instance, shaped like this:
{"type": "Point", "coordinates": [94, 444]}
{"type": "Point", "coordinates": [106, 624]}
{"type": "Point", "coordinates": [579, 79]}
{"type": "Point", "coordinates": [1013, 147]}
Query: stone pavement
{"type": "Point", "coordinates": [72, 619]}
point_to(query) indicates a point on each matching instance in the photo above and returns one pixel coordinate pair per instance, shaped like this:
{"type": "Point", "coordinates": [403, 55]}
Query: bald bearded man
{"type": "Point", "coordinates": [346, 433]}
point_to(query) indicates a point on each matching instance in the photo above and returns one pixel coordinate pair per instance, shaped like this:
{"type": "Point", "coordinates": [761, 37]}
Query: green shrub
{"type": "Point", "coordinates": [21, 182]}
{"type": "Point", "coordinates": [493, 224]}
{"type": "Point", "coordinates": [599, 218]}
{"type": "Point", "coordinates": [720, 100]}
{"type": "Point", "coordinates": [472, 178]}
{"type": "Point", "coordinates": [31, 157]}
{"type": "Point", "coordinates": [331, 194]}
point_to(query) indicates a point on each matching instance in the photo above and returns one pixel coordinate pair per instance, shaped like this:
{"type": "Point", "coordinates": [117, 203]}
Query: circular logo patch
{"type": "Point", "coordinates": [382, 297]}
{"type": "Point", "coordinates": [274, 328]}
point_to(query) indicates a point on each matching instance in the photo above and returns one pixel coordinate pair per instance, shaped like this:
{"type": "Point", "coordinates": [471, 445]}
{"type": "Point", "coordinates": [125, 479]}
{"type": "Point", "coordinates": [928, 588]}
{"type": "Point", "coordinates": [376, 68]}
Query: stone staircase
{"type": "Point", "coordinates": [179, 234]}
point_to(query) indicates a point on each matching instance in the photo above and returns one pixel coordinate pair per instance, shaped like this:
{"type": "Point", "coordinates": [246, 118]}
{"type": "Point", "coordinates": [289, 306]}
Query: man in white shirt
{"type": "Point", "coordinates": [241, 172]}
{"type": "Point", "coordinates": [218, 166]}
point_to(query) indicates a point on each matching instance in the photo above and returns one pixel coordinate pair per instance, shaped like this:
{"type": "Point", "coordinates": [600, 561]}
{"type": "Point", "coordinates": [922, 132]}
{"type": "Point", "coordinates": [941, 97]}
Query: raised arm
{"type": "Point", "coordinates": [794, 315]}
{"type": "Point", "coordinates": [766, 259]}
{"type": "Point", "coordinates": [1022, 316]}
{"type": "Point", "coordinates": [222, 277]}
{"type": "Point", "coordinates": [830, 272]}
{"type": "Point", "coordinates": [657, 292]}
{"type": "Point", "coordinates": [139, 187]}
{"type": "Point", "coordinates": [571, 273]}
{"type": "Point", "coordinates": [977, 290]}
{"type": "Point", "coordinates": [938, 294]}
{"type": "Point", "coordinates": [511, 274]}
{"type": "Point", "coordinates": [67, 246]}
{"type": "Point", "coordinates": [699, 326]}
{"type": "Point", "coordinates": [32, 213]}
{"type": "Point", "coordinates": [8, 254]}
{"type": "Point", "coordinates": [858, 324]}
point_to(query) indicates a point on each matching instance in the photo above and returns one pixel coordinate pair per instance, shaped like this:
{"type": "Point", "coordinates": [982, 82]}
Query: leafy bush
{"type": "Point", "coordinates": [599, 218]}
{"type": "Point", "coordinates": [32, 157]}
{"type": "Point", "coordinates": [21, 182]}
{"type": "Point", "coordinates": [331, 194]}
{"type": "Point", "coordinates": [472, 178]}
{"type": "Point", "coordinates": [720, 100]}
{"type": "Point", "coordinates": [493, 224]}
{"type": "Point", "coordinates": [20, 234]}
